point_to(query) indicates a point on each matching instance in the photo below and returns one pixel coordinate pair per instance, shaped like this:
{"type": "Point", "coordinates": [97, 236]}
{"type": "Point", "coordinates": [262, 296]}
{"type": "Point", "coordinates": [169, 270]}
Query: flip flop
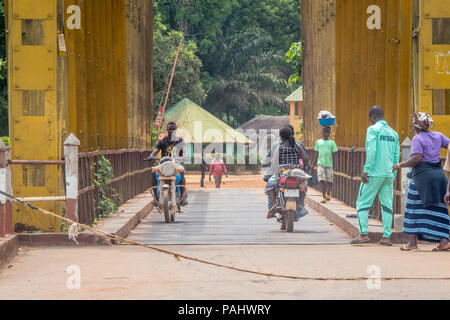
{"type": "Point", "coordinates": [404, 248]}
{"type": "Point", "coordinates": [358, 241]}
{"type": "Point", "coordinates": [439, 249]}
{"type": "Point", "coordinates": [383, 243]}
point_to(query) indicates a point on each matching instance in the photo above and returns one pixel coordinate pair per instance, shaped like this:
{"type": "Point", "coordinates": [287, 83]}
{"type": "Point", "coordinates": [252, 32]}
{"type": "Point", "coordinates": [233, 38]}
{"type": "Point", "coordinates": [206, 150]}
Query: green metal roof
{"type": "Point", "coordinates": [193, 121]}
{"type": "Point", "coordinates": [295, 96]}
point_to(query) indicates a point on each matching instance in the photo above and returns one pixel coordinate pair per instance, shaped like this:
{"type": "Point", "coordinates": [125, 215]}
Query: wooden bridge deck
{"type": "Point", "coordinates": [233, 216]}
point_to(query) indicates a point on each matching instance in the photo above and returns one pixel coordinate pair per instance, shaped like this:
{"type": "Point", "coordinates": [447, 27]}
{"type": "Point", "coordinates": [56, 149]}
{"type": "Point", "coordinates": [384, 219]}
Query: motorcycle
{"type": "Point", "coordinates": [291, 183]}
{"type": "Point", "coordinates": [167, 188]}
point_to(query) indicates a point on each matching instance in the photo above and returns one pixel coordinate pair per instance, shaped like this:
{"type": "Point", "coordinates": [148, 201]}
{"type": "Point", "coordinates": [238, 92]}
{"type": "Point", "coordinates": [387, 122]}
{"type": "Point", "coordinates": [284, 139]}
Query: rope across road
{"type": "Point", "coordinates": [73, 233]}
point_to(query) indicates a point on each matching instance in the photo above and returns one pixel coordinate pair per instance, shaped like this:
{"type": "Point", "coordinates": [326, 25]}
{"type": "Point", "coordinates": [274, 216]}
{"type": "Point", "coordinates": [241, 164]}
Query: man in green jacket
{"type": "Point", "coordinates": [382, 153]}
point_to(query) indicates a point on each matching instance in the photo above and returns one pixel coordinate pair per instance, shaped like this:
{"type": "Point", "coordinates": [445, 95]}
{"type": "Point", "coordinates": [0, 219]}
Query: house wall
{"type": "Point", "coordinates": [296, 116]}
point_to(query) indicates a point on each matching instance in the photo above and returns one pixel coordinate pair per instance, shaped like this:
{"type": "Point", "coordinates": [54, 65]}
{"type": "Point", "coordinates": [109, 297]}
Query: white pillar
{"type": "Point", "coordinates": [71, 166]}
{"type": "Point", "coordinates": [406, 151]}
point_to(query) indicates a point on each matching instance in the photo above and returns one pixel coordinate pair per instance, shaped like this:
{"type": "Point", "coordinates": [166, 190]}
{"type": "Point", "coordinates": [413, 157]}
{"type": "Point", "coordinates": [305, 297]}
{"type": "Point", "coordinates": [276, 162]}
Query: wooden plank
{"type": "Point", "coordinates": [206, 220]}
{"type": "Point", "coordinates": [363, 75]}
{"type": "Point", "coordinates": [120, 52]}
{"type": "Point", "coordinates": [392, 62]}
{"type": "Point", "coordinates": [405, 79]}
{"type": "Point", "coordinates": [382, 38]}
{"type": "Point", "coordinates": [97, 26]}
{"type": "Point", "coordinates": [90, 79]}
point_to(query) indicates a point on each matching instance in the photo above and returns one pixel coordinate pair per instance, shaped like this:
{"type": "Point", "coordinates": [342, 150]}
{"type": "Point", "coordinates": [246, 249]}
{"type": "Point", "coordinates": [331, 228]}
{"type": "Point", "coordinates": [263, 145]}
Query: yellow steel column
{"type": "Point", "coordinates": [34, 115]}
{"type": "Point", "coordinates": [434, 61]}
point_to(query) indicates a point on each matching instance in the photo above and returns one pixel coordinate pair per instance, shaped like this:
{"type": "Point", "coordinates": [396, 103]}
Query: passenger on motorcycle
{"type": "Point", "coordinates": [287, 156]}
{"type": "Point", "coordinates": [272, 169]}
{"type": "Point", "coordinates": [169, 145]}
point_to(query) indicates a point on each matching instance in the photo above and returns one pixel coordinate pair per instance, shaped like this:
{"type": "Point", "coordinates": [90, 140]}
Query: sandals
{"type": "Point", "coordinates": [404, 248]}
{"type": "Point", "coordinates": [359, 241]}
{"type": "Point", "coordinates": [439, 249]}
{"type": "Point", "coordinates": [384, 243]}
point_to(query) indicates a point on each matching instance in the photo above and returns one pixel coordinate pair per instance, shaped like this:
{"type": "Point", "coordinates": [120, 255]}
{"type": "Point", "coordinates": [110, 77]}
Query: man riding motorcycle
{"type": "Point", "coordinates": [287, 155]}
{"type": "Point", "coordinates": [169, 145]}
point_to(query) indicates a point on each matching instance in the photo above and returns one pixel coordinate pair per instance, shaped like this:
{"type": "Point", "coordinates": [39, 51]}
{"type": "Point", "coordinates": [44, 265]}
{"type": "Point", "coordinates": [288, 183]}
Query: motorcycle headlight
{"type": "Point", "coordinates": [167, 169]}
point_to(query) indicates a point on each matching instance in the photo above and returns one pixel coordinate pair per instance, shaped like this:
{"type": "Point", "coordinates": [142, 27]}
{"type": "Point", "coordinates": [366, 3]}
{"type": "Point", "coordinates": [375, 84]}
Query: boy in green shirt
{"type": "Point", "coordinates": [326, 162]}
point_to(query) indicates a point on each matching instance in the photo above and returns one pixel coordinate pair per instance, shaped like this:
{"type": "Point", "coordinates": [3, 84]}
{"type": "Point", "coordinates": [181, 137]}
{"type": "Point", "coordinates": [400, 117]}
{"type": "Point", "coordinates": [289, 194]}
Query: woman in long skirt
{"type": "Point", "coordinates": [426, 215]}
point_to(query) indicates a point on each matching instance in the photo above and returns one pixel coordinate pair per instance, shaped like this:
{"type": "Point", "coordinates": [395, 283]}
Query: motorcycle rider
{"type": "Point", "coordinates": [271, 170]}
{"type": "Point", "coordinates": [290, 154]}
{"type": "Point", "coordinates": [168, 145]}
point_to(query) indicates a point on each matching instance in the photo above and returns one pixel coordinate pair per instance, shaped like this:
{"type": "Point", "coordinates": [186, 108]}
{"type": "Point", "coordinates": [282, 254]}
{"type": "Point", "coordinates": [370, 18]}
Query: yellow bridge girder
{"type": "Point", "coordinates": [80, 66]}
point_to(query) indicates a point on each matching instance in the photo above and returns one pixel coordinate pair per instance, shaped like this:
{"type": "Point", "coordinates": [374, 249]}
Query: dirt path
{"type": "Point", "coordinates": [124, 272]}
{"type": "Point", "coordinates": [232, 182]}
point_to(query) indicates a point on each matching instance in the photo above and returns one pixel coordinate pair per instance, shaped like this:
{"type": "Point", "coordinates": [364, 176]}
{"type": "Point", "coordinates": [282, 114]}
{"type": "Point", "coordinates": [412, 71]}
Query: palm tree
{"type": "Point", "coordinates": [246, 76]}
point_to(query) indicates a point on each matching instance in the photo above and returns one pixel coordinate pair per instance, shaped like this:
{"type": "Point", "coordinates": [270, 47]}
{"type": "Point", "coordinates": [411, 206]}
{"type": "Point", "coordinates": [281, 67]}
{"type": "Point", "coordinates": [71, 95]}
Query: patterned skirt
{"type": "Point", "coordinates": [429, 224]}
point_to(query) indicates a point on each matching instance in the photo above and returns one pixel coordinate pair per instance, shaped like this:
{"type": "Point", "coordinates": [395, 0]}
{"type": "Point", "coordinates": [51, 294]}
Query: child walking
{"type": "Point", "coordinates": [326, 152]}
{"type": "Point", "coordinates": [217, 169]}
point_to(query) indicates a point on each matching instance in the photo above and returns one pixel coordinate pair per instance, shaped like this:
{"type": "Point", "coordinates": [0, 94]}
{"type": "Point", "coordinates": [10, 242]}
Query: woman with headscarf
{"type": "Point", "coordinates": [426, 215]}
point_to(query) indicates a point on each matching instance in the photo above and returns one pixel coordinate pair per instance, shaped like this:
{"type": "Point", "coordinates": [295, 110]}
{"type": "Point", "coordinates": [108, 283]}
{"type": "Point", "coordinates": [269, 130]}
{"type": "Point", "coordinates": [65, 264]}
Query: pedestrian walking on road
{"type": "Point", "coordinates": [203, 168]}
{"type": "Point", "coordinates": [426, 215]}
{"type": "Point", "coordinates": [382, 152]}
{"type": "Point", "coordinates": [326, 159]}
{"type": "Point", "coordinates": [217, 169]}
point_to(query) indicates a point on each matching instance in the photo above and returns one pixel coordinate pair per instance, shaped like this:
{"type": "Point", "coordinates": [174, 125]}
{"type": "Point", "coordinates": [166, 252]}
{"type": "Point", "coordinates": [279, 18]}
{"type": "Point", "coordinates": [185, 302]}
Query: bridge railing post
{"type": "Point", "coordinates": [71, 169]}
{"type": "Point", "coordinates": [405, 151]}
{"type": "Point", "coordinates": [5, 186]}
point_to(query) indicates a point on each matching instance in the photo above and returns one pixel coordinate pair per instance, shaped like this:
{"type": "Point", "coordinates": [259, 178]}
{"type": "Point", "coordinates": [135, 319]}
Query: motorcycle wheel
{"type": "Point", "coordinates": [165, 205]}
{"type": "Point", "coordinates": [290, 221]}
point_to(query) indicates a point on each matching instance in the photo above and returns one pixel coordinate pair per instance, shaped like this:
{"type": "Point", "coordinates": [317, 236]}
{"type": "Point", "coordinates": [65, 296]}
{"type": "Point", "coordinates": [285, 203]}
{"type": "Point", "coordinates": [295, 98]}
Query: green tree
{"type": "Point", "coordinates": [4, 131]}
{"type": "Point", "coordinates": [248, 78]}
{"type": "Point", "coordinates": [244, 72]}
{"type": "Point", "coordinates": [205, 20]}
{"type": "Point", "coordinates": [280, 18]}
{"type": "Point", "coordinates": [295, 57]}
{"type": "Point", "coordinates": [186, 82]}
{"type": "Point", "coordinates": [200, 20]}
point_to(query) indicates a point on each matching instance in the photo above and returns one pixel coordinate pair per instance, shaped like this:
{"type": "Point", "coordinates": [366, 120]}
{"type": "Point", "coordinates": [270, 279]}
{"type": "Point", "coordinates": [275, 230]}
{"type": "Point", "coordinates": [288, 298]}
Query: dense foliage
{"type": "Point", "coordinates": [242, 46]}
{"type": "Point", "coordinates": [246, 78]}
{"type": "Point", "coordinates": [232, 61]}
{"type": "Point", "coordinates": [4, 131]}
{"type": "Point", "coordinates": [295, 57]}
{"type": "Point", "coordinates": [186, 82]}
{"type": "Point", "coordinates": [107, 199]}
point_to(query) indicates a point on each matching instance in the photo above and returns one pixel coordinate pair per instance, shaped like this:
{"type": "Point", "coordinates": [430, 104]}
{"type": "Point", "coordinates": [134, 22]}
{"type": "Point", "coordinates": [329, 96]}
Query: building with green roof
{"type": "Point", "coordinates": [203, 131]}
{"type": "Point", "coordinates": [295, 101]}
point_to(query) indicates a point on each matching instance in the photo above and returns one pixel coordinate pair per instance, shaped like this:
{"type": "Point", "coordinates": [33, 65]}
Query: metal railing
{"type": "Point", "coordinates": [132, 177]}
{"type": "Point", "coordinates": [347, 180]}
{"type": "Point", "coordinates": [70, 152]}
